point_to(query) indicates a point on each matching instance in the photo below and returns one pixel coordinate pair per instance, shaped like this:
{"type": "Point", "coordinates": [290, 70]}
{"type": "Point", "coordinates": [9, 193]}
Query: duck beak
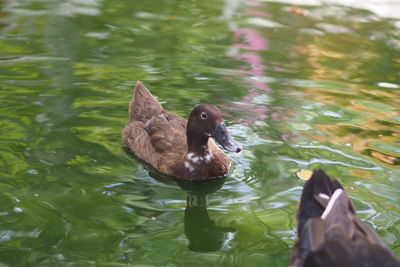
{"type": "Point", "coordinates": [223, 137]}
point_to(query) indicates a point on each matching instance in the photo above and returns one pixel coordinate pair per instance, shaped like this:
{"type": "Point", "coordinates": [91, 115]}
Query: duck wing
{"type": "Point", "coordinates": [159, 142]}
{"type": "Point", "coordinates": [165, 133]}
{"type": "Point", "coordinates": [329, 231]}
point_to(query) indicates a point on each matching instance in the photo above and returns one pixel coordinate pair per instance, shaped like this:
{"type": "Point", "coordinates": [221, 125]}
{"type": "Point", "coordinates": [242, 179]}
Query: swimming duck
{"type": "Point", "coordinates": [181, 148]}
{"type": "Point", "coordinates": [330, 233]}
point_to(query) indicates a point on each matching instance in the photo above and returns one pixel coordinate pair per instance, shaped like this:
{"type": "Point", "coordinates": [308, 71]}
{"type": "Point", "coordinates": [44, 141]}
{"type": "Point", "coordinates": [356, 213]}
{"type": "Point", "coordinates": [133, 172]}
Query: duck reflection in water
{"type": "Point", "coordinates": [201, 231]}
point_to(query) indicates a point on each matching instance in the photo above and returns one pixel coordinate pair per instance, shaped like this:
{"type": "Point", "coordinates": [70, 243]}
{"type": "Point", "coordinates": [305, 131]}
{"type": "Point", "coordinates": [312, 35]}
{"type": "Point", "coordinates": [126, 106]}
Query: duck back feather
{"type": "Point", "coordinates": [319, 183]}
{"type": "Point", "coordinates": [331, 234]}
{"type": "Point", "coordinates": [143, 105]}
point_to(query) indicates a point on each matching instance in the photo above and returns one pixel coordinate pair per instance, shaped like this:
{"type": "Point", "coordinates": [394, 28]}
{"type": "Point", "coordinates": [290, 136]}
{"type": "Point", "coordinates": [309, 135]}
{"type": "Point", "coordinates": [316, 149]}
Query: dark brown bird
{"type": "Point", "coordinates": [331, 234]}
{"type": "Point", "coordinates": [181, 148]}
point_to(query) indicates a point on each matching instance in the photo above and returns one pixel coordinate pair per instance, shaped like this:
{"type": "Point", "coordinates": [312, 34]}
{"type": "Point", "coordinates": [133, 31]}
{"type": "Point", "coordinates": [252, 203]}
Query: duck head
{"type": "Point", "coordinates": [206, 121]}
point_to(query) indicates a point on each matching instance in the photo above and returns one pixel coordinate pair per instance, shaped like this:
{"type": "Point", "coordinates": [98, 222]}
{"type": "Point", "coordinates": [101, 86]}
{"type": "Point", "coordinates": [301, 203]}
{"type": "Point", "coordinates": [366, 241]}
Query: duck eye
{"type": "Point", "coordinates": [203, 115]}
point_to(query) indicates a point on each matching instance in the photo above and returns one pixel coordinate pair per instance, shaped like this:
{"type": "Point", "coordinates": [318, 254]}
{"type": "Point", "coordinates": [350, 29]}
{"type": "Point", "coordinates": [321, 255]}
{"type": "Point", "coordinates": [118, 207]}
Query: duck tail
{"type": "Point", "coordinates": [319, 186]}
{"type": "Point", "coordinates": [143, 105]}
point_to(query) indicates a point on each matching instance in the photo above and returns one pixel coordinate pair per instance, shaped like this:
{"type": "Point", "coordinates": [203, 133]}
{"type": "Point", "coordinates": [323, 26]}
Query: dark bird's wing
{"type": "Point", "coordinates": [331, 234]}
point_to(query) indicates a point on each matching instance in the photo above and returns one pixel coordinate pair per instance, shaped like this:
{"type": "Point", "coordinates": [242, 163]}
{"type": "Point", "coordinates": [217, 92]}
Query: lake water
{"type": "Point", "coordinates": [301, 87]}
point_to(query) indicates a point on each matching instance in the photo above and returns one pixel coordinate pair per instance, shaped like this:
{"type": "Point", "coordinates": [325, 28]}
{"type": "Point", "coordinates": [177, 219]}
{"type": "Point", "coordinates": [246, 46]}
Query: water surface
{"type": "Point", "coordinates": [301, 86]}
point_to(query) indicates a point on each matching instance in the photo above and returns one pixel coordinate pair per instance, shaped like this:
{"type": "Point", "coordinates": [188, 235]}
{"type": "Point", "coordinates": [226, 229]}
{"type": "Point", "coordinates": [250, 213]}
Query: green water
{"type": "Point", "coordinates": [301, 88]}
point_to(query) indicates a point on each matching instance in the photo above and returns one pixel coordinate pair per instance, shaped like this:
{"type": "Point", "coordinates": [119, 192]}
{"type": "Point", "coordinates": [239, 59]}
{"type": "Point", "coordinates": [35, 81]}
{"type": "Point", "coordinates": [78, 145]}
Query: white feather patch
{"type": "Point", "coordinates": [198, 159]}
{"type": "Point", "coordinates": [331, 202]}
{"type": "Point", "coordinates": [189, 166]}
{"type": "Point", "coordinates": [322, 195]}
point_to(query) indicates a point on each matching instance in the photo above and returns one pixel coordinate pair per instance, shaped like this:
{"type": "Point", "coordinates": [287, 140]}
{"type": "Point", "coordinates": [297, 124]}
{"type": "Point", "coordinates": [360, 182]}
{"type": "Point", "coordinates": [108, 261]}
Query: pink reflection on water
{"type": "Point", "coordinates": [255, 64]}
{"type": "Point", "coordinates": [257, 13]}
{"type": "Point", "coordinates": [254, 40]}
{"type": "Point", "coordinates": [251, 41]}
{"type": "Point", "coordinates": [254, 3]}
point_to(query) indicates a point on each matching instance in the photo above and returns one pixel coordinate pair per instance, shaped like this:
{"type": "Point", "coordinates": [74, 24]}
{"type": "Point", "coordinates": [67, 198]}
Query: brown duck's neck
{"type": "Point", "coordinates": [197, 144]}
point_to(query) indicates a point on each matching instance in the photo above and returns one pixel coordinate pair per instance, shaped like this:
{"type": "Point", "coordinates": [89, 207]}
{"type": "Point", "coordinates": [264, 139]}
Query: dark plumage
{"type": "Point", "coordinates": [331, 234]}
{"type": "Point", "coordinates": [202, 232]}
{"type": "Point", "coordinates": [175, 146]}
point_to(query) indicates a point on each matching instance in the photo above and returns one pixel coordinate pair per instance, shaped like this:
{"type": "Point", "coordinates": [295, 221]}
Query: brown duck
{"type": "Point", "coordinates": [181, 148]}
{"type": "Point", "coordinates": [329, 232]}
